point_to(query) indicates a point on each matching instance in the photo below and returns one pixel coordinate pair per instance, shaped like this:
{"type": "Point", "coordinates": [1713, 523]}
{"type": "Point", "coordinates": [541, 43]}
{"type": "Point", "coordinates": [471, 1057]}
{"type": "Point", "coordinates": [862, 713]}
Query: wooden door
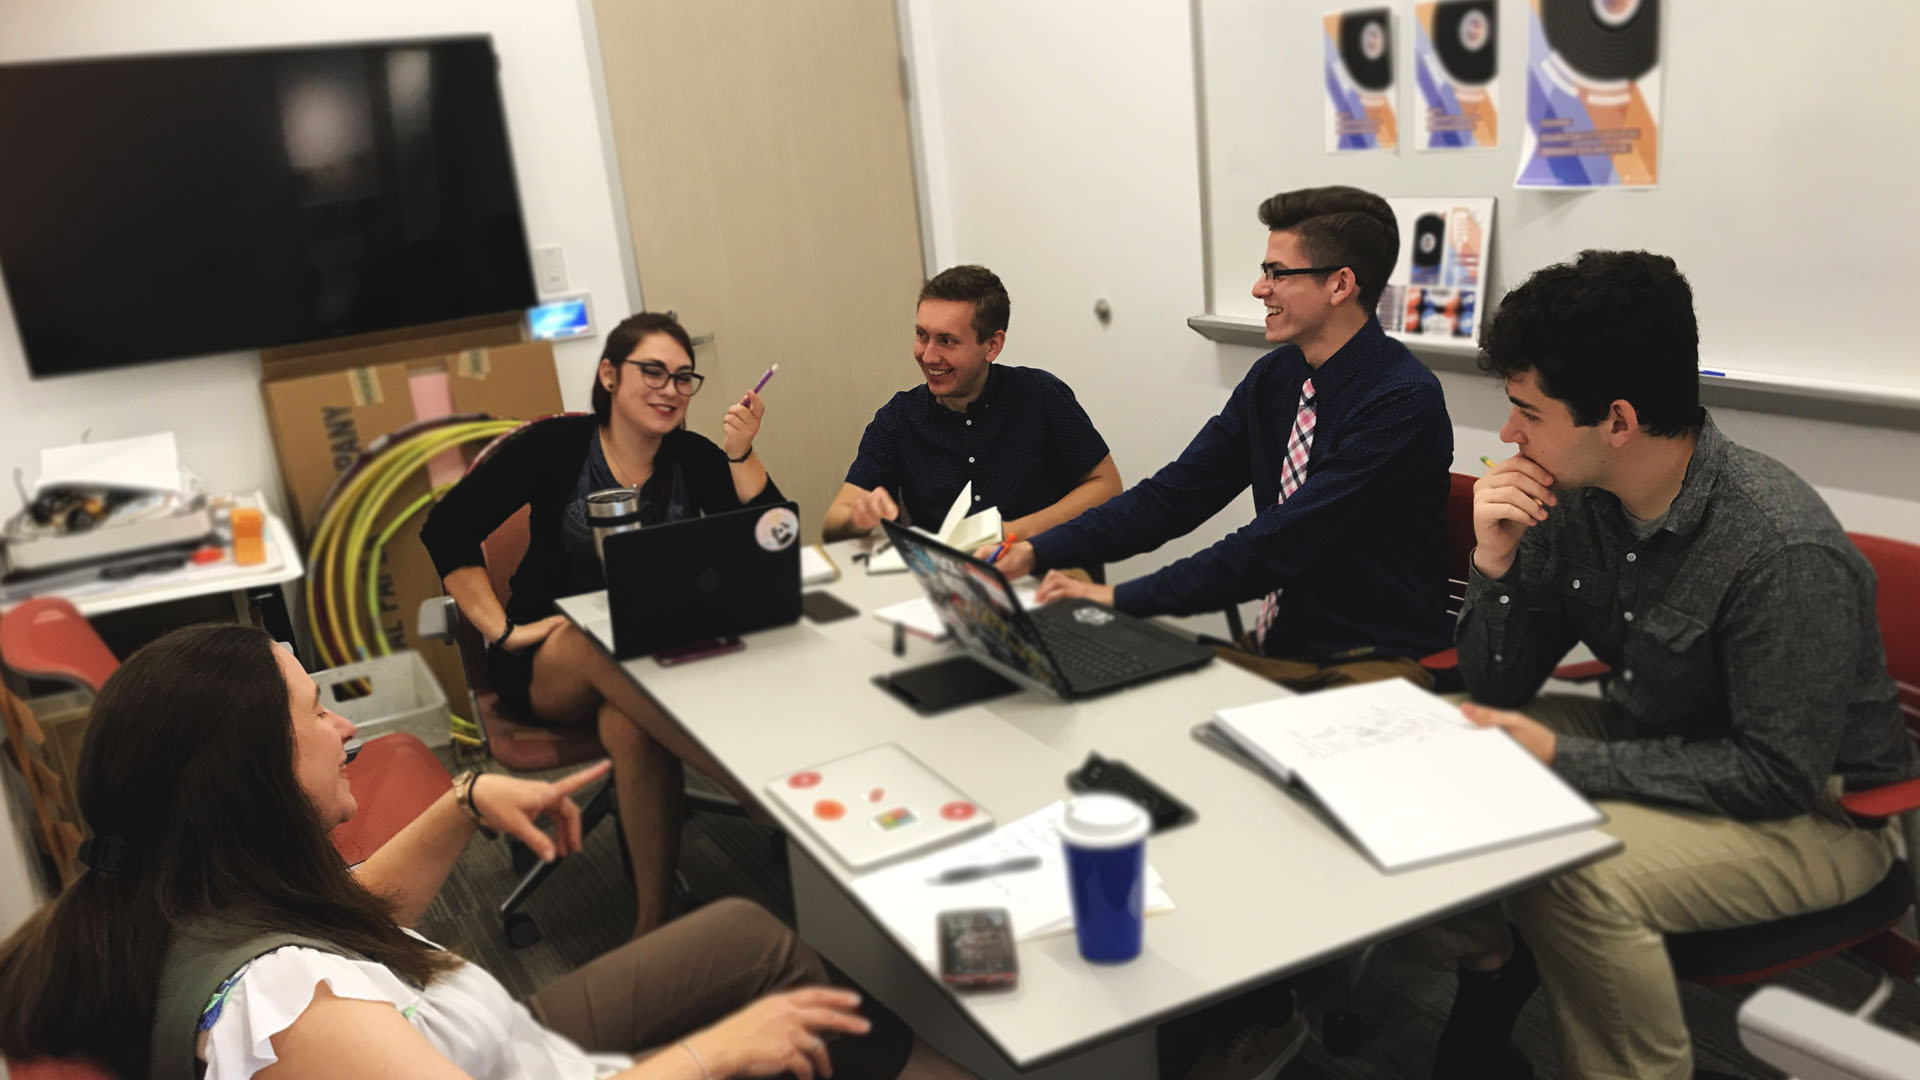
{"type": "Point", "coordinates": [765, 153]}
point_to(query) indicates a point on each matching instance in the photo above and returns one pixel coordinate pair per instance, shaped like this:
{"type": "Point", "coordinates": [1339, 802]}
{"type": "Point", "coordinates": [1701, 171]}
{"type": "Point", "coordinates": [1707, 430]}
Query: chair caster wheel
{"type": "Point", "coordinates": [523, 857]}
{"type": "Point", "coordinates": [521, 930]}
{"type": "Point", "coordinates": [1343, 1032]}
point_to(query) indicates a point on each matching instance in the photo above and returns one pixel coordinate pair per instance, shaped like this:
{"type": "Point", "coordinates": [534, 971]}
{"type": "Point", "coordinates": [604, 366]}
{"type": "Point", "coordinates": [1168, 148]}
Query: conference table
{"type": "Point", "coordinates": [1262, 885]}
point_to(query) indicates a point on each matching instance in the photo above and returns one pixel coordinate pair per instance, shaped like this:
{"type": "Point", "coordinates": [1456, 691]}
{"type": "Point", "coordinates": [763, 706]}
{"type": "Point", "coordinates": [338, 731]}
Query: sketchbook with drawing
{"type": "Point", "coordinates": [1408, 778]}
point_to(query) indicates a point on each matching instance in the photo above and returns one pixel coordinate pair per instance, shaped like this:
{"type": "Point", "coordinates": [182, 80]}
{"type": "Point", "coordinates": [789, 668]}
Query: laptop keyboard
{"type": "Point", "coordinates": [1087, 659]}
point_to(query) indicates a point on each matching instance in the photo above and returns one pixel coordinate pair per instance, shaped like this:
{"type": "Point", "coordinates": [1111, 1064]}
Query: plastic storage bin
{"type": "Point", "coordinates": [402, 695]}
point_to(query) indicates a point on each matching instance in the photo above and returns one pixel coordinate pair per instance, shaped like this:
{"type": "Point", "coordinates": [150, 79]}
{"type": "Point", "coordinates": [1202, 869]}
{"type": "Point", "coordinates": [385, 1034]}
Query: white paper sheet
{"type": "Point", "coordinates": [903, 897]}
{"type": "Point", "coordinates": [919, 616]}
{"type": "Point", "coordinates": [145, 461]}
{"type": "Point", "coordinates": [815, 567]}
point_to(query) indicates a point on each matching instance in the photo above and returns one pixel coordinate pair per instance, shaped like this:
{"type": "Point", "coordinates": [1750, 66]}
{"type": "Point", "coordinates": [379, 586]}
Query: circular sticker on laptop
{"type": "Point", "coordinates": [1093, 616]}
{"type": "Point", "coordinates": [777, 529]}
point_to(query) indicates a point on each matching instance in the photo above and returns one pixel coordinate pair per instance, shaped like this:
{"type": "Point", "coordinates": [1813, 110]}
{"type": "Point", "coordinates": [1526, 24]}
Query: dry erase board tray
{"type": "Point", "coordinates": [1840, 402]}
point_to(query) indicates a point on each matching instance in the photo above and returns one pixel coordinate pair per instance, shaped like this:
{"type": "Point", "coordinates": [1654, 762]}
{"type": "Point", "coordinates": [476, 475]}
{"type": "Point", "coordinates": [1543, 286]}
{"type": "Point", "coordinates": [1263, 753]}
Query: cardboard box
{"type": "Point", "coordinates": [321, 422]}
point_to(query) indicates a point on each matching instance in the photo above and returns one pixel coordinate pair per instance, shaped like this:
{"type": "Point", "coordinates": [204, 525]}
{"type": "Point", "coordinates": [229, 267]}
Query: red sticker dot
{"type": "Point", "coordinates": [829, 810]}
{"type": "Point", "coordinates": [957, 811]}
{"type": "Point", "coordinates": [876, 794]}
{"type": "Point", "coordinates": [803, 779]}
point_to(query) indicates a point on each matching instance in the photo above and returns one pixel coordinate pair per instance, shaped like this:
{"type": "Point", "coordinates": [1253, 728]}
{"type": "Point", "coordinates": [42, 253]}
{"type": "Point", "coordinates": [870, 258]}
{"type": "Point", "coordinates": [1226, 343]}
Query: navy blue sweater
{"type": "Point", "coordinates": [1356, 550]}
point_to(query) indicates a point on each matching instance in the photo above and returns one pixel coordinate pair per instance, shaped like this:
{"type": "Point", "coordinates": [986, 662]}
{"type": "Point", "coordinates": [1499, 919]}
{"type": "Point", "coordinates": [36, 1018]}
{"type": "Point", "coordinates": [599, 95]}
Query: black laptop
{"type": "Point", "coordinates": [705, 579]}
{"type": "Point", "coordinates": [1074, 648]}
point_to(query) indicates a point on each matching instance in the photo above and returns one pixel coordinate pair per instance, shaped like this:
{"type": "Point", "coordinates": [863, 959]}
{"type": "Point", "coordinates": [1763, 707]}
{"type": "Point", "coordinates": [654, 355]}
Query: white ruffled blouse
{"type": "Point", "coordinates": [465, 1013]}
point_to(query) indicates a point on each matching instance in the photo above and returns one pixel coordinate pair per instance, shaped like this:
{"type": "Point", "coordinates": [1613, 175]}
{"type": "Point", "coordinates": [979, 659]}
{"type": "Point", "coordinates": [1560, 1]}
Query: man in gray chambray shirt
{"type": "Point", "coordinates": [1749, 684]}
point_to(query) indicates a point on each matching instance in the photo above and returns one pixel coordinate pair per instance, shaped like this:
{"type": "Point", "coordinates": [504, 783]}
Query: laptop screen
{"type": "Point", "coordinates": [977, 605]}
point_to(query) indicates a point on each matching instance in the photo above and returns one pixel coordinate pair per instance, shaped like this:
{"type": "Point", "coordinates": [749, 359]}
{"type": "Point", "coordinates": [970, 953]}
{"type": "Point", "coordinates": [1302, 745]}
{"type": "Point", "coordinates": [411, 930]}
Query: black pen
{"type": "Point", "coordinates": [960, 875]}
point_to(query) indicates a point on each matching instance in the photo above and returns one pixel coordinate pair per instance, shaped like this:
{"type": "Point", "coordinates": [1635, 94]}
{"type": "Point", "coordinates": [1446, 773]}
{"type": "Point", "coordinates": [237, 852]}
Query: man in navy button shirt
{"type": "Point", "coordinates": [1015, 433]}
{"type": "Point", "coordinates": [1343, 437]}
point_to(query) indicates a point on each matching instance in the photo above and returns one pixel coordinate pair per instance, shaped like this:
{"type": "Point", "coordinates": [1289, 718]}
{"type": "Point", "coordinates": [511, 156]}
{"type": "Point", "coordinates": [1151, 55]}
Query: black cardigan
{"type": "Point", "coordinates": [539, 467]}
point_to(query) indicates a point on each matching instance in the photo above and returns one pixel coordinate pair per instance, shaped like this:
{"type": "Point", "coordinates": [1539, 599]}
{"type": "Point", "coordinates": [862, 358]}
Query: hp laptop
{"type": "Point", "coordinates": [702, 579]}
{"type": "Point", "coordinates": [1073, 648]}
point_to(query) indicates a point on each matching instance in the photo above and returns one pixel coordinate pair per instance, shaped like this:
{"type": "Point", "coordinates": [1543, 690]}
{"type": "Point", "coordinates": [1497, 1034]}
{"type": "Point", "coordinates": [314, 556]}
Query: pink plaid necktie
{"type": "Point", "coordinates": [1293, 473]}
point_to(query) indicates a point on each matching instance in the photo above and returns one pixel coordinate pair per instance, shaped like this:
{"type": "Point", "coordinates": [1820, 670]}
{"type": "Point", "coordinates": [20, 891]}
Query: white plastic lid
{"type": "Point", "coordinates": [1103, 821]}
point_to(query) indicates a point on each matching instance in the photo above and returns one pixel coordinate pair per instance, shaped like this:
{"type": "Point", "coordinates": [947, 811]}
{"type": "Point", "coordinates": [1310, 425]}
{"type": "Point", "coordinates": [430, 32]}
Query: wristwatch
{"type": "Point", "coordinates": [501, 641]}
{"type": "Point", "coordinates": [463, 794]}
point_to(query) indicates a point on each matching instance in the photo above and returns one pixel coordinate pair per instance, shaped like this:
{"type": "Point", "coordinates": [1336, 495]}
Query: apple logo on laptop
{"type": "Point", "coordinates": [708, 581]}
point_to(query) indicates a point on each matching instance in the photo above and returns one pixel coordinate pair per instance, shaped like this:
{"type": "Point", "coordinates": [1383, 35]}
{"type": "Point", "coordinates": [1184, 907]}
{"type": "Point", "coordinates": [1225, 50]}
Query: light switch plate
{"type": "Point", "coordinates": [550, 269]}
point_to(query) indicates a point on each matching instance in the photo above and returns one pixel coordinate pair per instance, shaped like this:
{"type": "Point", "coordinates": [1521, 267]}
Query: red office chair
{"type": "Point", "coordinates": [52, 1069]}
{"type": "Point", "coordinates": [517, 746]}
{"type": "Point", "coordinates": [1444, 665]}
{"type": "Point", "coordinates": [1866, 925]}
{"type": "Point", "coordinates": [394, 777]}
{"type": "Point", "coordinates": [47, 638]}
{"type": "Point", "coordinates": [1457, 543]}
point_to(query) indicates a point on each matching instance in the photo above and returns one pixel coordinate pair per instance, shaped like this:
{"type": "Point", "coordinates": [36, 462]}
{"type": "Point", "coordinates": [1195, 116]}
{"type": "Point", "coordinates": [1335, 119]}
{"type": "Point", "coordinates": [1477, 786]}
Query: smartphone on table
{"type": "Point", "coordinates": [976, 949]}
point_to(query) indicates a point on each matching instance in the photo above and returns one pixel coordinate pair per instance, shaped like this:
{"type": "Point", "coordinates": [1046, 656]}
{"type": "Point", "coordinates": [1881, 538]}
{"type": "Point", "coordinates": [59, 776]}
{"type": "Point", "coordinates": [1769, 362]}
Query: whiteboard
{"type": "Point", "coordinates": [1789, 188]}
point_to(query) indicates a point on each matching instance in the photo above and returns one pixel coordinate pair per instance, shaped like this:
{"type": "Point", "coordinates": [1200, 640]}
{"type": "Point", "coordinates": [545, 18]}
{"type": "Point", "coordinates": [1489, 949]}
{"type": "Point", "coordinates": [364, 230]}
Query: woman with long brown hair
{"type": "Point", "coordinates": [216, 932]}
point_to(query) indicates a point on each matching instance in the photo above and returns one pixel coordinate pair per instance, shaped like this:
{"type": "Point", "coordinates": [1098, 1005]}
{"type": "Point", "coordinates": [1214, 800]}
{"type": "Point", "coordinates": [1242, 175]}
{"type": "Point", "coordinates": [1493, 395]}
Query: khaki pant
{"type": "Point", "coordinates": [1308, 675]}
{"type": "Point", "coordinates": [1596, 931]}
{"type": "Point", "coordinates": [663, 986]}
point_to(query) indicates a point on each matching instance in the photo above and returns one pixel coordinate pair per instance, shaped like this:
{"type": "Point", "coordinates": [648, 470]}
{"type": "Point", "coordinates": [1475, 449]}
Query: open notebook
{"type": "Point", "coordinates": [959, 530]}
{"type": "Point", "coordinates": [1410, 779]}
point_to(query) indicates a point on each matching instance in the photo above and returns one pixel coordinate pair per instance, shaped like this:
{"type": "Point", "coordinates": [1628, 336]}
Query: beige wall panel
{"type": "Point", "coordinates": [765, 153]}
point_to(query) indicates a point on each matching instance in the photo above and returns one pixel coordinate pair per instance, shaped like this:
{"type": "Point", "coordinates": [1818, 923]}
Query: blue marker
{"type": "Point", "coordinates": [1715, 374]}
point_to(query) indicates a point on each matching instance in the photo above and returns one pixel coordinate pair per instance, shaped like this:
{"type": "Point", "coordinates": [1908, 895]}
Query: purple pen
{"type": "Point", "coordinates": [764, 378]}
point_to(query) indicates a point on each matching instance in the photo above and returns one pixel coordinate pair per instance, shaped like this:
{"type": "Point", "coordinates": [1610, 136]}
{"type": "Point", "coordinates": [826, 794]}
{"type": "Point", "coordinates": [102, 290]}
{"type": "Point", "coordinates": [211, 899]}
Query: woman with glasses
{"type": "Point", "coordinates": [216, 932]}
{"type": "Point", "coordinates": [546, 671]}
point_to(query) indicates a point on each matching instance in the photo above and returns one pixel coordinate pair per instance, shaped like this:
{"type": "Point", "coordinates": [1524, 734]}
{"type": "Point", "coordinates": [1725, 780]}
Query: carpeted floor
{"type": "Point", "coordinates": [586, 908]}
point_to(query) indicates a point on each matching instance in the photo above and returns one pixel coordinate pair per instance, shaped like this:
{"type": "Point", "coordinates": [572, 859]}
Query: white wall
{"type": "Point", "coordinates": [1065, 143]}
{"type": "Point", "coordinates": [213, 404]}
{"type": "Point", "coordinates": [1061, 150]}
{"type": "Point", "coordinates": [1767, 160]}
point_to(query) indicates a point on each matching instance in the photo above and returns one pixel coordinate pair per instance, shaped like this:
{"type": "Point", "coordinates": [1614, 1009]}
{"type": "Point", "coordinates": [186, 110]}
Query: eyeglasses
{"type": "Point", "coordinates": [656, 376]}
{"type": "Point", "coordinates": [1274, 271]}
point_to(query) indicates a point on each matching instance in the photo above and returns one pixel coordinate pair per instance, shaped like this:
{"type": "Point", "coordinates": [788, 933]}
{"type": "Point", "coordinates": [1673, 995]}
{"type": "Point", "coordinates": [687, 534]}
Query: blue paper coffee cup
{"type": "Point", "coordinates": [1105, 838]}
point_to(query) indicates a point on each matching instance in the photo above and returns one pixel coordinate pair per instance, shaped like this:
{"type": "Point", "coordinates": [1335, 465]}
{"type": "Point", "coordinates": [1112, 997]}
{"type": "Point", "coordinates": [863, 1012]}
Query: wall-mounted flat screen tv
{"type": "Point", "coordinates": [180, 205]}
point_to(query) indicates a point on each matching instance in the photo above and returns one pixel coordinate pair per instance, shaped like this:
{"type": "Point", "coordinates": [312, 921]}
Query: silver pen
{"type": "Point", "coordinates": [960, 875]}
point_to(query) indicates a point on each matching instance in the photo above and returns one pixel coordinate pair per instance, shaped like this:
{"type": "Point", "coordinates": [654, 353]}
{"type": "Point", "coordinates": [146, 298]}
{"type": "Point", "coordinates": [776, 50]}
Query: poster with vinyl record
{"type": "Point", "coordinates": [1593, 95]}
{"type": "Point", "coordinates": [1438, 287]}
{"type": "Point", "coordinates": [1456, 72]}
{"type": "Point", "coordinates": [1359, 80]}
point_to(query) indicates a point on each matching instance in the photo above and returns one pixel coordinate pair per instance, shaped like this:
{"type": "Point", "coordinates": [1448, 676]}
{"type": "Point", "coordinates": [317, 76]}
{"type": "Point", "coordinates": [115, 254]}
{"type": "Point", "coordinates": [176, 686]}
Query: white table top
{"type": "Point", "coordinates": [1261, 885]}
{"type": "Point", "coordinates": [283, 565]}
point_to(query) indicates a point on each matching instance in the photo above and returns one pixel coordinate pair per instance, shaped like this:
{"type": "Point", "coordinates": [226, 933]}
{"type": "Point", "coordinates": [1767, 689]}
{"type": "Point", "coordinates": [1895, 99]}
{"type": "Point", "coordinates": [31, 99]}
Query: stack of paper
{"type": "Point", "coordinates": [1410, 779]}
{"type": "Point", "coordinates": [146, 461]}
{"type": "Point", "coordinates": [960, 530]}
{"type": "Point", "coordinates": [905, 897]}
{"type": "Point", "coordinates": [816, 568]}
